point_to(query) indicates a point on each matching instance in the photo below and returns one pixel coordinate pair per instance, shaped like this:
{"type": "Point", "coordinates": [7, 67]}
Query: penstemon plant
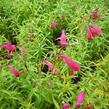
{"type": "Point", "coordinates": [54, 54]}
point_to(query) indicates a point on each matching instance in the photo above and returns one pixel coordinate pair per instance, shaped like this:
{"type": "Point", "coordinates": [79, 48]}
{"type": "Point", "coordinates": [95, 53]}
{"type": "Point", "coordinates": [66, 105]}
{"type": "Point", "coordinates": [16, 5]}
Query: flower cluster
{"type": "Point", "coordinates": [79, 100]}
{"type": "Point", "coordinates": [10, 48]}
{"type": "Point", "coordinates": [92, 31]}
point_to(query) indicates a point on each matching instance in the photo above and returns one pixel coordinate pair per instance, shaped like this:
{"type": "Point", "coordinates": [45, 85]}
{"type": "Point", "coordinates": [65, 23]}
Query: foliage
{"type": "Point", "coordinates": [26, 23]}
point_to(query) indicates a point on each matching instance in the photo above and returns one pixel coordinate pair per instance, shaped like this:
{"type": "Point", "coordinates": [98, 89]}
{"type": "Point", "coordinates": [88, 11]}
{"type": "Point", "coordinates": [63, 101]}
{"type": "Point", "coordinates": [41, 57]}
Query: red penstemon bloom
{"type": "Point", "coordinates": [97, 30]}
{"type": "Point", "coordinates": [90, 36]}
{"type": "Point", "coordinates": [94, 14]}
{"type": "Point", "coordinates": [49, 64]}
{"type": "Point", "coordinates": [14, 70]}
{"type": "Point", "coordinates": [62, 40]}
{"type": "Point", "coordinates": [92, 31]}
{"type": "Point", "coordinates": [71, 63]}
{"type": "Point", "coordinates": [53, 24]}
{"type": "Point", "coordinates": [65, 105]}
{"type": "Point", "coordinates": [8, 46]}
{"type": "Point", "coordinates": [80, 98]}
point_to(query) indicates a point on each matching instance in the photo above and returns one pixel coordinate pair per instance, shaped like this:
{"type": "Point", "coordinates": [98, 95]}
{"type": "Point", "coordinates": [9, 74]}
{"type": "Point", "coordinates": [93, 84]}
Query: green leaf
{"type": "Point", "coordinates": [56, 103]}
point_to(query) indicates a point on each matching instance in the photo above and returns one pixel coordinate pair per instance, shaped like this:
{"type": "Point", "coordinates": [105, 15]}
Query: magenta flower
{"type": "Point", "coordinates": [90, 36]}
{"type": "Point", "coordinates": [92, 31]}
{"type": "Point", "coordinates": [13, 70]}
{"type": "Point", "coordinates": [96, 30]}
{"type": "Point", "coordinates": [80, 98]}
{"type": "Point", "coordinates": [74, 66]}
{"type": "Point", "coordinates": [49, 64]}
{"type": "Point", "coordinates": [53, 24]}
{"type": "Point", "coordinates": [62, 40]}
{"type": "Point", "coordinates": [65, 105]}
{"type": "Point", "coordinates": [9, 56]}
{"type": "Point", "coordinates": [8, 46]}
{"type": "Point", "coordinates": [94, 14]}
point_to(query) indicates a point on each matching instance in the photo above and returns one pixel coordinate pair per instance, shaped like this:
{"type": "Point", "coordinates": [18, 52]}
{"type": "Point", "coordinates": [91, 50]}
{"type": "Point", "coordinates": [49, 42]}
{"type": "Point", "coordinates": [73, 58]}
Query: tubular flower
{"type": "Point", "coordinates": [74, 66]}
{"type": "Point", "coordinates": [92, 31]}
{"type": "Point", "coordinates": [65, 105]}
{"type": "Point", "coordinates": [8, 46]}
{"type": "Point", "coordinates": [94, 14]}
{"type": "Point", "coordinates": [49, 64]}
{"type": "Point", "coordinates": [62, 40]}
{"type": "Point", "coordinates": [53, 24]}
{"type": "Point", "coordinates": [13, 70]}
{"type": "Point", "coordinates": [90, 36]}
{"type": "Point", "coordinates": [80, 98]}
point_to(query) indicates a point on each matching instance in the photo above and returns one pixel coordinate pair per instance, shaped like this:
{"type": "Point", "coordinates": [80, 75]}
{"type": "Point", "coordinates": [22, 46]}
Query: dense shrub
{"type": "Point", "coordinates": [26, 24]}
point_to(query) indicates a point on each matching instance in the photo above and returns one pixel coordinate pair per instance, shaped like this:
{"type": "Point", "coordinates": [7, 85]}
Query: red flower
{"type": "Point", "coordinates": [9, 56]}
{"type": "Point", "coordinates": [8, 46]}
{"type": "Point", "coordinates": [53, 24]}
{"type": "Point", "coordinates": [92, 31]}
{"type": "Point", "coordinates": [13, 70]}
{"type": "Point", "coordinates": [72, 64]}
{"type": "Point", "coordinates": [65, 105]}
{"type": "Point", "coordinates": [94, 14]}
{"type": "Point", "coordinates": [80, 98]}
{"type": "Point", "coordinates": [62, 40]}
{"type": "Point", "coordinates": [90, 36]}
{"type": "Point", "coordinates": [49, 64]}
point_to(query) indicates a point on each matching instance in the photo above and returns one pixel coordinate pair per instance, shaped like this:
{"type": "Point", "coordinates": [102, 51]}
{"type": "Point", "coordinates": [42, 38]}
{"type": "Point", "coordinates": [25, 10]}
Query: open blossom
{"type": "Point", "coordinates": [14, 70]}
{"type": "Point", "coordinates": [65, 105]}
{"type": "Point", "coordinates": [62, 40]}
{"type": "Point", "coordinates": [80, 98]}
{"type": "Point", "coordinates": [92, 31]}
{"type": "Point", "coordinates": [53, 24]}
{"type": "Point", "coordinates": [94, 14]}
{"type": "Point", "coordinates": [72, 64]}
{"type": "Point", "coordinates": [8, 46]}
{"type": "Point", "coordinates": [49, 64]}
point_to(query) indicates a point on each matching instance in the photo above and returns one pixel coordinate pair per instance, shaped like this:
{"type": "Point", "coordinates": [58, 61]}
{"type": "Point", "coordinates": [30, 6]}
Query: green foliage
{"type": "Point", "coordinates": [26, 23]}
